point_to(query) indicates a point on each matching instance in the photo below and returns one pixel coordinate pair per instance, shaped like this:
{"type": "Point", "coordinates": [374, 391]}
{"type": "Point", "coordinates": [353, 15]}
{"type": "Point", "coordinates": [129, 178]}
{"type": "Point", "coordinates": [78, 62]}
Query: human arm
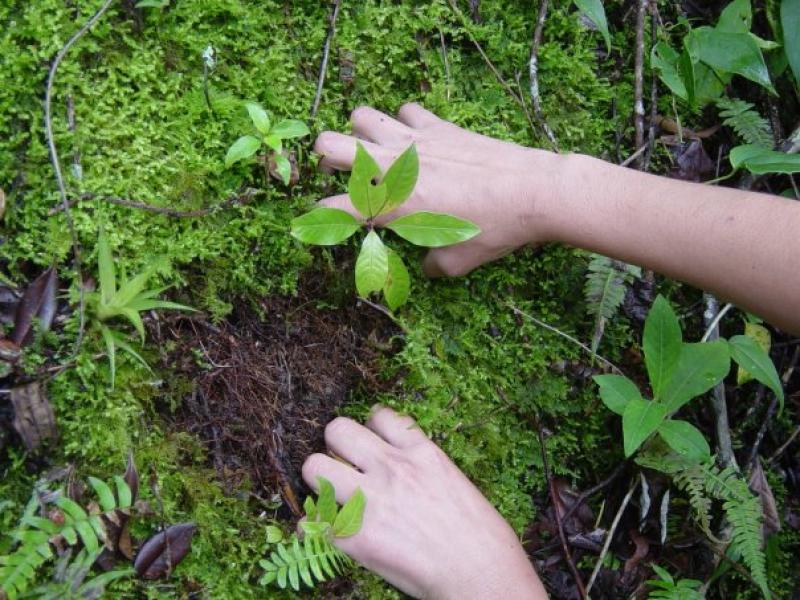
{"type": "Point", "coordinates": [427, 529]}
{"type": "Point", "coordinates": [740, 245]}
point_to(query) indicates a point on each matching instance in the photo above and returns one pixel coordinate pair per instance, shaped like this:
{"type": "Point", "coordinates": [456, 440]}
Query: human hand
{"type": "Point", "coordinates": [427, 529]}
{"type": "Point", "coordinates": [505, 189]}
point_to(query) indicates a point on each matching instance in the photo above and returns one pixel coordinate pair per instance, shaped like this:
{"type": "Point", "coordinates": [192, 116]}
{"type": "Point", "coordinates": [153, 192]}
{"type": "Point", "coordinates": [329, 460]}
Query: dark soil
{"type": "Point", "coordinates": [267, 381]}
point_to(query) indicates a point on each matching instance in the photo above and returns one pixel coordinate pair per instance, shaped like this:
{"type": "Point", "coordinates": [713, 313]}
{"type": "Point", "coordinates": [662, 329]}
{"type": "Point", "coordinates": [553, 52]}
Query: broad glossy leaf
{"type": "Point", "coordinates": [105, 266]}
{"type": "Point", "coordinates": [290, 128]}
{"type": "Point", "coordinates": [685, 439]}
{"type": "Point", "coordinates": [372, 265]}
{"type": "Point", "coordinates": [662, 344]}
{"type": "Point", "coordinates": [324, 226]}
{"type": "Point", "coordinates": [700, 368]}
{"type": "Point", "coordinates": [761, 161]}
{"type": "Point", "coordinates": [361, 186]}
{"type": "Point", "coordinates": [737, 17]}
{"type": "Point", "coordinates": [616, 391]}
{"type": "Point", "coordinates": [348, 521]}
{"type": "Point", "coordinates": [748, 354]}
{"type": "Point", "coordinates": [259, 117]}
{"type": "Point", "coordinates": [398, 283]}
{"type": "Point", "coordinates": [729, 52]}
{"type": "Point", "coordinates": [790, 23]}
{"type": "Point", "coordinates": [400, 179]}
{"type": "Point", "coordinates": [245, 147]}
{"type": "Point", "coordinates": [665, 60]}
{"type": "Point", "coordinates": [283, 168]}
{"type": "Point", "coordinates": [326, 501]}
{"type": "Point", "coordinates": [594, 11]}
{"type": "Point", "coordinates": [433, 230]}
{"type": "Point", "coordinates": [640, 419]}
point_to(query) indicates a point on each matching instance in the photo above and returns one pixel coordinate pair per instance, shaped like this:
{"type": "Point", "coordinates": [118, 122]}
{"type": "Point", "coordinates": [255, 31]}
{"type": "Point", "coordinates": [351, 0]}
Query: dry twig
{"type": "Point", "coordinates": [533, 74]}
{"type": "Point", "coordinates": [638, 79]}
{"type": "Point", "coordinates": [62, 189]}
{"type": "Point", "coordinates": [326, 50]}
{"type": "Point", "coordinates": [235, 200]}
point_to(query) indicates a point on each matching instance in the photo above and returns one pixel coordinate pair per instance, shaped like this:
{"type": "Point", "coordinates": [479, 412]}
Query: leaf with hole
{"type": "Point", "coordinates": [362, 183]}
{"type": "Point", "coordinates": [324, 226]}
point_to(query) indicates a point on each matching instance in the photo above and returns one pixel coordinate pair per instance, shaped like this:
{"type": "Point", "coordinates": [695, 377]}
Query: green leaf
{"type": "Point", "coordinates": [433, 230]}
{"type": "Point", "coordinates": [283, 168]}
{"type": "Point", "coordinates": [737, 17]}
{"type": "Point", "coordinates": [290, 128]}
{"type": "Point", "coordinates": [324, 226]}
{"type": "Point", "coordinates": [243, 148]}
{"type": "Point", "coordinates": [761, 161]}
{"type": "Point", "coordinates": [790, 23]}
{"type": "Point", "coordinates": [361, 188]}
{"type": "Point", "coordinates": [398, 283]}
{"type": "Point", "coordinates": [124, 492]}
{"type": "Point", "coordinates": [662, 344]}
{"type": "Point", "coordinates": [662, 573]}
{"type": "Point", "coordinates": [326, 501]}
{"type": "Point", "coordinates": [105, 266]}
{"type": "Point", "coordinates": [400, 179]}
{"type": "Point", "coordinates": [141, 304]}
{"type": "Point", "coordinates": [688, 74]}
{"type": "Point", "coordinates": [616, 391]}
{"type": "Point", "coordinates": [152, 4]}
{"type": "Point", "coordinates": [685, 439]}
{"type": "Point", "coordinates": [730, 53]}
{"type": "Point", "coordinates": [104, 494]}
{"type": "Point", "coordinates": [310, 508]}
{"type": "Point", "coordinates": [72, 510]}
{"type": "Point", "coordinates": [594, 11]}
{"type": "Point", "coordinates": [119, 341]}
{"type": "Point", "coordinates": [748, 354]}
{"type": "Point", "coordinates": [131, 289]}
{"type": "Point", "coordinates": [761, 336]}
{"type": "Point", "coordinates": [700, 368]}
{"type": "Point", "coordinates": [111, 350]}
{"type": "Point", "coordinates": [135, 319]}
{"type": "Point", "coordinates": [259, 117]}
{"type": "Point", "coordinates": [640, 419]}
{"type": "Point", "coordinates": [274, 142]}
{"type": "Point", "coordinates": [372, 265]}
{"type": "Point", "coordinates": [348, 521]}
{"type": "Point", "coordinates": [274, 534]}
{"type": "Point", "coordinates": [665, 60]}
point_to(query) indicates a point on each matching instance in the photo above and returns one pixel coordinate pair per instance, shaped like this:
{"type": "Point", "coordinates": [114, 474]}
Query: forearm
{"type": "Point", "coordinates": [742, 246]}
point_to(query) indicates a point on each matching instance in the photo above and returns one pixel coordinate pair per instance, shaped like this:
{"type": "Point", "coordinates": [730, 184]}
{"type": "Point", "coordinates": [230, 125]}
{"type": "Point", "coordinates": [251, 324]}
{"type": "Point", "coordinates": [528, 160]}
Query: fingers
{"type": "Point", "coordinates": [399, 431]}
{"type": "Point", "coordinates": [413, 115]}
{"type": "Point", "coordinates": [451, 261]}
{"type": "Point", "coordinates": [374, 125]}
{"type": "Point", "coordinates": [345, 479]}
{"type": "Point", "coordinates": [355, 443]}
{"type": "Point", "coordinates": [338, 151]}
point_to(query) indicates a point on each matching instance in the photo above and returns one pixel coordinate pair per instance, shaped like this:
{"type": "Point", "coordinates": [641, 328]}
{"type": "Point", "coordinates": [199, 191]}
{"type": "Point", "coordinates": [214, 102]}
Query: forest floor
{"type": "Point", "coordinates": [238, 392]}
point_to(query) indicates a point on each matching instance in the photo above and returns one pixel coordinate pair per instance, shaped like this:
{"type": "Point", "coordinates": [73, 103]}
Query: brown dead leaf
{"type": "Point", "coordinates": [760, 486]}
{"type": "Point", "coordinates": [38, 301]}
{"type": "Point", "coordinates": [295, 175]}
{"type": "Point", "coordinates": [642, 547]}
{"type": "Point", "coordinates": [162, 552]}
{"type": "Point", "coordinates": [692, 163]}
{"type": "Point", "coordinates": [33, 415]}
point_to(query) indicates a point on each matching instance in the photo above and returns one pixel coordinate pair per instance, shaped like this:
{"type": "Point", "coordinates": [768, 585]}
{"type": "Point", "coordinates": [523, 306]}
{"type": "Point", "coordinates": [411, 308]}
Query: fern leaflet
{"type": "Point", "coordinates": [315, 559]}
{"type": "Point", "coordinates": [748, 124]}
{"type": "Point", "coordinates": [606, 283]}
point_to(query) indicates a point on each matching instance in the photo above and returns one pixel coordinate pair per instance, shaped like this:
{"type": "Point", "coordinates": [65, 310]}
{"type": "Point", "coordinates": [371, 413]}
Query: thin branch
{"type": "Point", "coordinates": [533, 74]}
{"type": "Point", "coordinates": [711, 316]}
{"type": "Point", "coordinates": [593, 490]}
{"type": "Point", "coordinates": [234, 200]}
{"type": "Point", "coordinates": [609, 537]}
{"type": "Point", "coordinates": [762, 431]}
{"type": "Point", "coordinates": [566, 336]}
{"type": "Point", "coordinates": [446, 62]}
{"type": "Point", "coordinates": [714, 324]}
{"type": "Point", "coordinates": [634, 156]}
{"type": "Point", "coordinates": [62, 190]}
{"type": "Point", "coordinates": [559, 522]}
{"type": "Point", "coordinates": [651, 128]}
{"type": "Point", "coordinates": [326, 50]}
{"type": "Point", "coordinates": [638, 77]}
{"type": "Point", "coordinates": [777, 454]}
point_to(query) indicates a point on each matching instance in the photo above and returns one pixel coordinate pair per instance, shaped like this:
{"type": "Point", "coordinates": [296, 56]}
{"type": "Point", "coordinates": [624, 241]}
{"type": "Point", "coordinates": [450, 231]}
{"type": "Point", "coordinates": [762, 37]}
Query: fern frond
{"type": "Point", "coordinates": [607, 281]}
{"type": "Point", "coordinates": [18, 569]}
{"type": "Point", "coordinates": [313, 561]}
{"type": "Point", "coordinates": [748, 124]}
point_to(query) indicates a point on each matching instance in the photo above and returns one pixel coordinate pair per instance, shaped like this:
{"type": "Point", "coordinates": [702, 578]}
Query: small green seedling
{"type": "Point", "coordinates": [679, 371]}
{"type": "Point", "coordinates": [314, 558]}
{"type": "Point", "coordinates": [127, 300]}
{"type": "Point", "coordinates": [269, 135]}
{"type": "Point", "coordinates": [666, 588]}
{"type": "Point", "coordinates": [374, 194]}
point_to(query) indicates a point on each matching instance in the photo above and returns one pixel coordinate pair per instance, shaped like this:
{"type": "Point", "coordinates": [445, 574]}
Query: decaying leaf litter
{"type": "Point", "coordinates": [279, 351]}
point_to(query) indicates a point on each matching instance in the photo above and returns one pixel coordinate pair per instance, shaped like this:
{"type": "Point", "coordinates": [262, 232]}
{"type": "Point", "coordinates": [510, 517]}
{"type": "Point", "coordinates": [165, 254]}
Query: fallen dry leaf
{"type": "Point", "coordinates": [38, 301]}
{"type": "Point", "coordinates": [760, 486]}
{"type": "Point", "coordinates": [161, 553]}
{"type": "Point", "coordinates": [33, 415]}
{"type": "Point", "coordinates": [692, 163]}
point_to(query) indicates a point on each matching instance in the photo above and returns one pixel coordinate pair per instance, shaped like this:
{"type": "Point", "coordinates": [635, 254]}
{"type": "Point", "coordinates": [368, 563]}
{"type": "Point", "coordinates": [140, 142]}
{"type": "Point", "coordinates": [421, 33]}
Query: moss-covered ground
{"type": "Point", "coordinates": [468, 368]}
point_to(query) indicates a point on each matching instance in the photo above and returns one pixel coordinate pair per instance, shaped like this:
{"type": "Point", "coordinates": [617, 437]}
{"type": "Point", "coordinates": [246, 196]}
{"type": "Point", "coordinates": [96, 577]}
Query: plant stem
{"type": "Point", "coordinates": [326, 50]}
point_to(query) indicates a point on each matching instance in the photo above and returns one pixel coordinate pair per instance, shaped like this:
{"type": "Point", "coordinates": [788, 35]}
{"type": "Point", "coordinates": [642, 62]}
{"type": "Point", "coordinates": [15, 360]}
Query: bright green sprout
{"type": "Point", "coordinates": [269, 135]}
{"type": "Point", "coordinates": [374, 194]}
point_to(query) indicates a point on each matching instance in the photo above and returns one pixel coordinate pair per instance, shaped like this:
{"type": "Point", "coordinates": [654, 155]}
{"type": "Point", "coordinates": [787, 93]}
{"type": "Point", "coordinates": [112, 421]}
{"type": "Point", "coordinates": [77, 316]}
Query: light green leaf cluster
{"type": "Point", "coordinates": [374, 194]}
{"type": "Point", "coordinates": [315, 559]}
{"type": "Point", "coordinates": [711, 56]}
{"type": "Point", "coordinates": [269, 135]}
{"type": "Point", "coordinates": [678, 371]}
{"type": "Point", "coordinates": [666, 588]}
{"type": "Point", "coordinates": [126, 300]}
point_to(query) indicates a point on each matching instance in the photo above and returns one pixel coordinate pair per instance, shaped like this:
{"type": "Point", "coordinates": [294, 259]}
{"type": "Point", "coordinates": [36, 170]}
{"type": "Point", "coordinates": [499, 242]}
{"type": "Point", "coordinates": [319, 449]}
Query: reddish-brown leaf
{"type": "Point", "coordinates": [760, 486]}
{"type": "Point", "coordinates": [33, 415]}
{"type": "Point", "coordinates": [131, 477]}
{"type": "Point", "coordinates": [39, 301]}
{"type": "Point", "coordinates": [161, 553]}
